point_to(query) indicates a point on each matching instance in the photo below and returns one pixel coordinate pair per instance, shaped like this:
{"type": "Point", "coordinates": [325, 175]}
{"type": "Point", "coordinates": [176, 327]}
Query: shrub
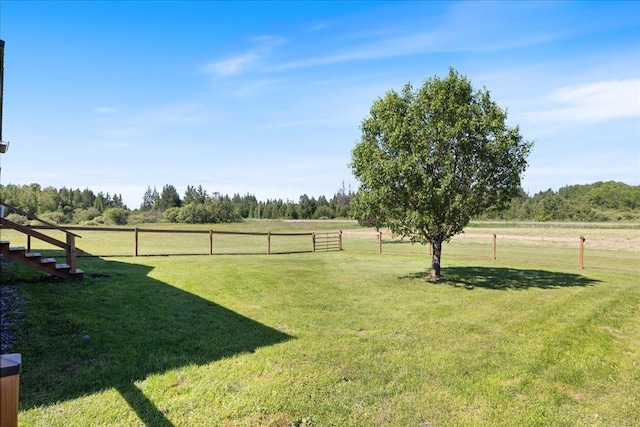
{"type": "Point", "coordinates": [193, 213]}
{"type": "Point", "coordinates": [99, 220]}
{"type": "Point", "coordinates": [171, 214]}
{"type": "Point", "coordinates": [324, 212]}
{"type": "Point", "coordinates": [54, 217]}
{"type": "Point", "coordinates": [19, 219]}
{"type": "Point", "coordinates": [117, 216]}
{"type": "Point", "coordinates": [145, 217]}
{"type": "Point", "coordinates": [83, 215]}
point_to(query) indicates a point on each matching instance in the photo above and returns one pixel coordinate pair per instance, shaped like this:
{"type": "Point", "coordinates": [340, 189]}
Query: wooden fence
{"type": "Point", "coordinates": [574, 252]}
{"type": "Point", "coordinates": [603, 252]}
{"type": "Point", "coordinates": [255, 242]}
{"type": "Point", "coordinates": [494, 248]}
{"type": "Point", "coordinates": [327, 241]}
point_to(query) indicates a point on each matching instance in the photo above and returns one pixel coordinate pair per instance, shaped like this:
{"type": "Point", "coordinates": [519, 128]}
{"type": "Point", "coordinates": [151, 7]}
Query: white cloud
{"type": "Point", "coordinates": [233, 66]}
{"type": "Point", "coordinates": [462, 27]}
{"type": "Point", "coordinates": [592, 102]}
{"type": "Point", "coordinates": [239, 64]}
{"type": "Point", "coordinates": [106, 110]}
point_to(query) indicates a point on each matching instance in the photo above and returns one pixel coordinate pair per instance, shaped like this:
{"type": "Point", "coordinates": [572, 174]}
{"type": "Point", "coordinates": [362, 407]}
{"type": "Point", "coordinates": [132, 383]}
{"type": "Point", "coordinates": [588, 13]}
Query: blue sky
{"type": "Point", "coordinates": [267, 97]}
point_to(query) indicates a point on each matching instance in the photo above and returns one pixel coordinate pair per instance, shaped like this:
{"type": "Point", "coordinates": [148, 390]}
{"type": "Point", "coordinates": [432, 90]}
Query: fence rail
{"type": "Point", "coordinates": [255, 242]}
{"type": "Point", "coordinates": [569, 252]}
{"type": "Point", "coordinates": [605, 252]}
{"type": "Point", "coordinates": [327, 241]}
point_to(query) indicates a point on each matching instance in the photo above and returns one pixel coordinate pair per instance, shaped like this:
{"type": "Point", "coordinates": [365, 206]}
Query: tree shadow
{"type": "Point", "coordinates": [119, 326]}
{"type": "Point", "coordinates": [501, 278]}
{"type": "Point", "coordinates": [398, 241]}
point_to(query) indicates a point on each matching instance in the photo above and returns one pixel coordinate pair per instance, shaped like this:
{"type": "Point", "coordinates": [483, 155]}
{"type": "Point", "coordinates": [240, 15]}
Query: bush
{"type": "Point", "coordinates": [19, 219]}
{"type": "Point", "coordinates": [99, 220]}
{"type": "Point", "coordinates": [171, 214]}
{"type": "Point", "coordinates": [53, 217]}
{"type": "Point", "coordinates": [193, 213]}
{"type": "Point", "coordinates": [84, 215]}
{"type": "Point", "coordinates": [324, 212]}
{"type": "Point", "coordinates": [118, 216]}
{"type": "Point", "coordinates": [145, 217]}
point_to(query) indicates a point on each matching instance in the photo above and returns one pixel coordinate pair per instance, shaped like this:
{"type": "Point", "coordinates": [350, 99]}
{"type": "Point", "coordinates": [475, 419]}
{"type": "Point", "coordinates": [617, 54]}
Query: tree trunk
{"type": "Point", "coordinates": [435, 259]}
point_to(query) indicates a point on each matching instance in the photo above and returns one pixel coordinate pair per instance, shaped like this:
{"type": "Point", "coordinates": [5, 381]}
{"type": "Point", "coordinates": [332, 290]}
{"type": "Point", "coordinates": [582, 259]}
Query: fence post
{"type": "Point", "coordinates": [582, 239]}
{"type": "Point", "coordinates": [71, 252]}
{"type": "Point", "coordinates": [9, 388]}
{"type": "Point", "coordinates": [269, 243]}
{"type": "Point", "coordinates": [379, 242]}
{"type": "Point", "coordinates": [494, 246]}
{"type": "Point", "coordinates": [210, 242]}
{"type": "Point", "coordinates": [313, 241]}
{"type": "Point", "coordinates": [28, 243]}
{"type": "Point", "coordinates": [136, 244]}
{"type": "Point", "coordinates": [340, 240]}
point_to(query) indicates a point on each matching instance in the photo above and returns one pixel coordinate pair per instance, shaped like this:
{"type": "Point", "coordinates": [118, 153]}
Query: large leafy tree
{"type": "Point", "coordinates": [429, 160]}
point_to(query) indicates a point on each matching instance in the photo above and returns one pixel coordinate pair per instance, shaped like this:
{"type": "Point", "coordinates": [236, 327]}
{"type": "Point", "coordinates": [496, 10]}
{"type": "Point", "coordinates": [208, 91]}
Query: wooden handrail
{"type": "Point", "coordinates": [69, 246]}
{"type": "Point", "coordinates": [33, 233]}
{"type": "Point", "coordinates": [33, 217]}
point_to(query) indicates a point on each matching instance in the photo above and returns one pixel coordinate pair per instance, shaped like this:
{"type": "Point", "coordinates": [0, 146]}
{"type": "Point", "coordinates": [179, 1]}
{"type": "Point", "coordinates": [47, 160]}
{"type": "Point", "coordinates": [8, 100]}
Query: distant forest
{"type": "Point", "coordinates": [601, 201]}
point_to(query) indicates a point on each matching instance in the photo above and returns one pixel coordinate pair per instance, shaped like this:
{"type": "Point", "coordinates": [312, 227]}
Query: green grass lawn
{"type": "Point", "coordinates": [347, 338]}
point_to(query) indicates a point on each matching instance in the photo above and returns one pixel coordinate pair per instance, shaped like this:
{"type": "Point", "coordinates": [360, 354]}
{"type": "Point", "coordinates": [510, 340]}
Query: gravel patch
{"type": "Point", "coordinates": [11, 302]}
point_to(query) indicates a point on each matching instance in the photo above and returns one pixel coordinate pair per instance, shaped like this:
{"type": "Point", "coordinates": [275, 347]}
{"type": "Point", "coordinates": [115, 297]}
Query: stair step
{"type": "Point", "coordinates": [49, 265]}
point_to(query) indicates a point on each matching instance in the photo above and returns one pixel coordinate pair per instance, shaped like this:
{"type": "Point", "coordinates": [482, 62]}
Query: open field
{"type": "Point", "coordinates": [347, 338]}
{"type": "Point", "coordinates": [608, 246]}
{"type": "Point", "coordinates": [605, 248]}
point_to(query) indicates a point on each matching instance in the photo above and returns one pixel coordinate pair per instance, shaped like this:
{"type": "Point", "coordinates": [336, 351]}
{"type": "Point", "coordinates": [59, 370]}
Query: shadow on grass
{"type": "Point", "coordinates": [505, 278]}
{"type": "Point", "coordinates": [119, 326]}
{"type": "Point", "coordinates": [399, 242]}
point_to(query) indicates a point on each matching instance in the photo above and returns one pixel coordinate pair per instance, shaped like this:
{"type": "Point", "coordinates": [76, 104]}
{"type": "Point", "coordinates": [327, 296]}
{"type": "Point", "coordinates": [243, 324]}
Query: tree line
{"type": "Point", "coordinates": [196, 206]}
{"type": "Point", "coordinates": [597, 202]}
{"type": "Point", "coordinates": [600, 201]}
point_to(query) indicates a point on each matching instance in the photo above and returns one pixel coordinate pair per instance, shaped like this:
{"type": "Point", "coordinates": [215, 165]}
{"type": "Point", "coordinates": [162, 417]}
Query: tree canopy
{"type": "Point", "coordinates": [429, 160]}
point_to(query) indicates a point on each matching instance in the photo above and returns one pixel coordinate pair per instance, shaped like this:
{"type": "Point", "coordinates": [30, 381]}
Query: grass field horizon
{"type": "Point", "coordinates": [346, 338]}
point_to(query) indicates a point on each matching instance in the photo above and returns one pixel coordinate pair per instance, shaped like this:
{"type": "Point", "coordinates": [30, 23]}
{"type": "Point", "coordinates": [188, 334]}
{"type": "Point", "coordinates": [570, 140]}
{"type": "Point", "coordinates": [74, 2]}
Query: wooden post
{"type": "Point", "coordinates": [269, 243]}
{"type": "Point", "coordinates": [313, 241]}
{"type": "Point", "coordinates": [210, 242]}
{"type": "Point", "coordinates": [136, 239]}
{"type": "Point", "coordinates": [28, 243]}
{"type": "Point", "coordinates": [1, 82]}
{"type": "Point", "coordinates": [71, 252]}
{"type": "Point", "coordinates": [581, 263]}
{"type": "Point", "coordinates": [9, 389]}
{"type": "Point", "coordinates": [340, 240]}
{"type": "Point", "coordinates": [379, 242]}
{"type": "Point", "coordinates": [494, 246]}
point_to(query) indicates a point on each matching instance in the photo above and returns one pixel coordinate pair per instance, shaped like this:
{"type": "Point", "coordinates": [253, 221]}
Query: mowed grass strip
{"type": "Point", "coordinates": [343, 339]}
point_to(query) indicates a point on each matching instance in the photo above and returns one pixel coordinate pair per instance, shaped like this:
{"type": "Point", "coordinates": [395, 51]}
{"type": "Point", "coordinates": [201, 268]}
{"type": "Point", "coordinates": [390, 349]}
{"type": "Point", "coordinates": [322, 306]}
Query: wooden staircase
{"type": "Point", "coordinates": [33, 259]}
{"type": "Point", "coordinates": [50, 266]}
